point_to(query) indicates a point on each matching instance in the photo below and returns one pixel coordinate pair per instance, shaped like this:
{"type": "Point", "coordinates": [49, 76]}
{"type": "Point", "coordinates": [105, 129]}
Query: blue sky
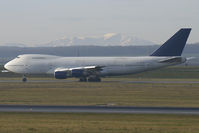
{"type": "Point", "coordinates": [41, 21]}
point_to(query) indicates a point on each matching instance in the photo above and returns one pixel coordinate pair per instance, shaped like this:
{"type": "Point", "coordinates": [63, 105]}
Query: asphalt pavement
{"type": "Point", "coordinates": [106, 81]}
{"type": "Point", "coordinates": [99, 109]}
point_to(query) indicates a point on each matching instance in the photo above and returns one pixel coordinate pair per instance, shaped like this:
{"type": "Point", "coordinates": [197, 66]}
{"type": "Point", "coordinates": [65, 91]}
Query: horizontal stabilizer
{"type": "Point", "coordinates": [191, 58]}
{"type": "Point", "coordinates": [173, 60]}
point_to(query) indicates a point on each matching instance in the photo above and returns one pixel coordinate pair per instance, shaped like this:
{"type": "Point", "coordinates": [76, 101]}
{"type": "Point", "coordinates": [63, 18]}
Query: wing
{"type": "Point", "coordinates": [63, 73]}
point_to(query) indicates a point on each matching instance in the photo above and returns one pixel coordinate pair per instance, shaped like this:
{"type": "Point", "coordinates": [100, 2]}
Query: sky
{"type": "Point", "coordinates": [41, 21]}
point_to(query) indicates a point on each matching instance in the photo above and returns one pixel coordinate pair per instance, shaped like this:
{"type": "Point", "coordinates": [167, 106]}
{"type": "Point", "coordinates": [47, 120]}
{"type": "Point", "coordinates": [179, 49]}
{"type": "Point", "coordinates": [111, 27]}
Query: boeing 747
{"type": "Point", "coordinates": [91, 69]}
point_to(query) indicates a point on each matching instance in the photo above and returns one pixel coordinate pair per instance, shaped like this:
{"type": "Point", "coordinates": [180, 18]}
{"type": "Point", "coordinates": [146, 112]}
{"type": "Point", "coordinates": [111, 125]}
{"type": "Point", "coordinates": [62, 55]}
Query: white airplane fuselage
{"type": "Point", "coordinates": [47, 64]}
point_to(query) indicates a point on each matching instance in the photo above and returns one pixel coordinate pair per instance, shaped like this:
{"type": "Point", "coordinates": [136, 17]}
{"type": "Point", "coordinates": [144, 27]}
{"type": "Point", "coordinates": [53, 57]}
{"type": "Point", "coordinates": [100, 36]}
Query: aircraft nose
{"type": "Point", "coordinates": [7, 66]}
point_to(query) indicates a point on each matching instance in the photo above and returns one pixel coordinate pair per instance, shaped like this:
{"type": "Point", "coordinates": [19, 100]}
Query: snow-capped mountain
{"type": "Point", "coordinates": [14, 45]}
{"type": "Point", "coordinates": [109, 39]}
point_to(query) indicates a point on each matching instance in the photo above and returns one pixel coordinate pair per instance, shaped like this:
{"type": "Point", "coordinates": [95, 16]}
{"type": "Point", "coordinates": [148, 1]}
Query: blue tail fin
{"type": "Point", "coordinates": [175, 45]}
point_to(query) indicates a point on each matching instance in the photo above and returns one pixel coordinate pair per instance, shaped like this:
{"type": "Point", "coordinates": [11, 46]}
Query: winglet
{"type": "Point", "coordinates": [175, 45]}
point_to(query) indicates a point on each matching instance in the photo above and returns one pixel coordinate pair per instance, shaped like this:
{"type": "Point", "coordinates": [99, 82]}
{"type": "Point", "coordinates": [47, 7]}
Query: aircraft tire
{"type": "Point", "coordinates": [94, 79]}
{"type": "Point", "coordinates": [83, 79]}
{"type": "Point", "coordinates": [24, 79]}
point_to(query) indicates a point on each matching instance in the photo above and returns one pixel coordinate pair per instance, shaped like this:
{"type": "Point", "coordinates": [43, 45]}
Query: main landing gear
{"type": "Point", "coordinates": [24, 79]}
{"type": "Point", "coordinates": [94, 79]}
{"type": "Point", "coordinates": [90, 79]}
{"type": "Point", "coordinates": [83, 79]}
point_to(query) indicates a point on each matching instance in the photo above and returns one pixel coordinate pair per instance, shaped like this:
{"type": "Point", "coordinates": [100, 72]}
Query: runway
{"type": "Point", "coordinates": [121, 81]}
{"type": "Point", "coordinates": [99, 109]}
{"type": "Point", "coordinates": [36, 81]}
{"type": "Point", "coordinates": [164, 82]}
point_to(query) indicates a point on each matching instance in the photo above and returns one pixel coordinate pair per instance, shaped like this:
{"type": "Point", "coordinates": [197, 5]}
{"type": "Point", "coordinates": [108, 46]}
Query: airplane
{"type": "Point", "coordinates": [91, 69]}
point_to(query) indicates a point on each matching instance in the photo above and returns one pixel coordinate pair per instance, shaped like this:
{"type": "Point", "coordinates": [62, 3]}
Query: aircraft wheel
{"type": "Point", "coordinates": [94, 79]}
{"type": "Point", "coordinates": [24, 79]}
{"type": "Point", "coordinates": [83, 79]}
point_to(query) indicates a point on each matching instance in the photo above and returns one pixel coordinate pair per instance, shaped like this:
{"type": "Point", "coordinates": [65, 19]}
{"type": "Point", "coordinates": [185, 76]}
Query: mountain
{"type": "Point", "coordinates": [109, 39]}
{"type": "Point", "coordinates": [15, 45]}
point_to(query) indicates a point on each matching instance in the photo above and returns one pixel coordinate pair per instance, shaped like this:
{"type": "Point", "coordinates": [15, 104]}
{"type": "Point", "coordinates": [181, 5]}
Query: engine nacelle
{"type": "Point", "coordinates": [77, 73]}
{"type": "Point", "coordinates": [63, 74]}
{"type": "Point", "coordinates": [60, 74]}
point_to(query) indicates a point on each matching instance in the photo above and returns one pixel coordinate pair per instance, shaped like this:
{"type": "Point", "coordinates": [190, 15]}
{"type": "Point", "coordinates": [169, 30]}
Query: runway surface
{"type": "Point", "coordinates": [99, 109]}
{"type": "Point", "coordinates": [121, 81]}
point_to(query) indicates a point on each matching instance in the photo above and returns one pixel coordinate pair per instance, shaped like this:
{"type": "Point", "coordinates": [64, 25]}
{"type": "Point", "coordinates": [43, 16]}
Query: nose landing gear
{"type": "Point", "coordinates": [24, 79]}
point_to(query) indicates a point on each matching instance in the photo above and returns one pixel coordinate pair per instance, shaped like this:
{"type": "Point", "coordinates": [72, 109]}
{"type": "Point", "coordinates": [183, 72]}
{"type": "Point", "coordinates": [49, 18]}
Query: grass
{"type": "Point", "coordinates": [97, 123]}
{"type": "Point", "coordinates": [105, 93]}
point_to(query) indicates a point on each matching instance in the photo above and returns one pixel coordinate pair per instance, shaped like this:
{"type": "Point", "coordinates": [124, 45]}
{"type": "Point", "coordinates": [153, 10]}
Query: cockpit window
{"type": "Point", "coordinates": [18, 57]}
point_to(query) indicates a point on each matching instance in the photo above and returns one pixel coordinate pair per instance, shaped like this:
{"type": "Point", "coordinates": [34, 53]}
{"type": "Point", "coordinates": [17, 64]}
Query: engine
{"type": "Point", "coordinates": [63, 74]}
{"type": "Point", "coordinates": [78, 73]}
{"type": "Point", "coordinates": [60, 74]}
